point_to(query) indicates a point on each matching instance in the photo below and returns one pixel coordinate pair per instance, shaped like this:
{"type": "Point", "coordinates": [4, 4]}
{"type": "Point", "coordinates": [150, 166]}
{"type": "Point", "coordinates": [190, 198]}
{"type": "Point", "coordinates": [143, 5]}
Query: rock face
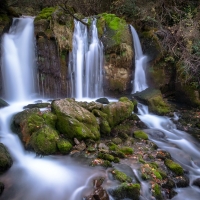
{"type": "Point", "coordinates": [153, 98]}
{"type": "Point", "coordinates": [5, 159]}
{"type": "Point", "coordinates": [75, 121]}
{"type": "Point", "coordinates": [117, 40]}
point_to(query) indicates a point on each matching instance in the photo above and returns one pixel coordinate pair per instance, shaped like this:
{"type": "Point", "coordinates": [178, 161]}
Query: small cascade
{"type": "Point", "coordinates": [86, 62]}
{"type": "Point", "coordinates": [139, 82]}
{"type": "Point", "coordinates": [17, 51]}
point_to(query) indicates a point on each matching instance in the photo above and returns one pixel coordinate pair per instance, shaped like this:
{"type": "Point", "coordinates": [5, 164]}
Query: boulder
{"type": "Point", "coordinates": [3, 103]}
{"type": "Point", "coordinates": [153, 98]}
{"type": "Point", "coordinates": [126, 190]}
{"type": "Point", "coordinates": [75, 121]}
{"type": "Point", "coordinates": [117, 112]}
{"type": "Point", "coordinates": [196, 182]}
{"type": "Point", "coordinates": [5, 159]}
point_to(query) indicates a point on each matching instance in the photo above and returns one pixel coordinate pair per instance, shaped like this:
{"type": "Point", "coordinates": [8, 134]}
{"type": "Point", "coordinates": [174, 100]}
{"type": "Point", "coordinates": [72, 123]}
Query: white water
{"type": "Point", "coordinates": [162, 131]}
{"type": "Point", "coordinates": [86, 62]}
{"type": "Point", "coordinates": [16, 56]}
{"type": "Point", "coordinates": [31, 178]}
{"type": "Point", "coordinates": [139, 81]}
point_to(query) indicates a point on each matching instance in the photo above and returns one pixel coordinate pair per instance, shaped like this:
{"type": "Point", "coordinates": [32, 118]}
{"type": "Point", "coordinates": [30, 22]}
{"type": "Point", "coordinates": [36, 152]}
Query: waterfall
{"type": "Point", "coordinates": [139, 82]}
{"type": "Point", "coordinates": [86, 62]}
{"type": "Point", "coordinates": [162, 131]}
{"type": "Point", "coordinates": [17, 52]}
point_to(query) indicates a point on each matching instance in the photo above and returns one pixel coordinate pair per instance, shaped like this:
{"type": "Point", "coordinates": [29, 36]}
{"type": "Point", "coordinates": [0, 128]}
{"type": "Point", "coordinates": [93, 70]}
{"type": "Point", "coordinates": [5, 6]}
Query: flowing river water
{"type": "Point", "coordinates": [63, 177]}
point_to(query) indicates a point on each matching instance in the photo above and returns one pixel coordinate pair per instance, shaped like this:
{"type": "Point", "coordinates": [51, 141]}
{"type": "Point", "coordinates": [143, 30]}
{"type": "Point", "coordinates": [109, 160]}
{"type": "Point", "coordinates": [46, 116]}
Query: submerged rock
{"type": "Point", "coordinates": [5, 159]}
{"type": "Point", "coordinates": [3, 103]}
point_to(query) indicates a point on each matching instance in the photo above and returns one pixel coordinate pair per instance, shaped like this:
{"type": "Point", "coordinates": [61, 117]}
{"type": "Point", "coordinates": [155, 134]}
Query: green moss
{"type": "Point", "coordinates": [127, 150]}
{"type": "Point", "coordinates": [44, 141]}
{"type": "Point", "coordinates": [121, 176]}
{"type": "Point", "coordinates": [174, 167]}
{"type": "Point", "coordinates": [118, 154]}
{"type": "Point", "coordinates": [106, 156]}
{"type": "Point", "coordinates": [50, 119]}
{"type": "Point", "coordinates": [34, 122]}
{"type": "Point", "coordinates": [157, 192]}
{"type": "Point", "coordinates": [113, 147]}
{"type": "Point", "coordinates": [64, 146]}
{"type": "Point", "coordinates": [157, 174]}
{"type": "Point", "coordinates": [127, 190]}
{"type": "Point", "coordinates": [117, 140]}
{"type": "Point", "coordinates": [140, 135]}
{"type": "Point", "coordinates": [45, 13]}
{"type": "Point", "coordinates": [114, 23]}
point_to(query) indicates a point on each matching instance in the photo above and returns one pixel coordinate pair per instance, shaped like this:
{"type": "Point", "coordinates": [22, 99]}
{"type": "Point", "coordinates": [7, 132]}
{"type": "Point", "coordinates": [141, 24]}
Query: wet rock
{"type": "Point", "coordinates": [161, 154]}
{"type": "Point", "coordinates": [153, 98]}
{"type": "Point", "coordinates": [196, 182]}
{"type": "Point", "coordinates": [99, 193]}
{"type": "Point", "coordinates": [38, 105]}
{"type": "Point", "coordinates": [5, 159]}
{"type": "Point", "coordinates": [181, 181]}
{"type": "Point", "coordinates": [1, 188]}
{"type": "Point", "coordinates": [75, 121]}
{"type": "Point", "coordinates": [103, 100]}
{"type": "Point", "coordinates": [174, 167]}
{"type": "Point", "coordinates": [126, 190]}
{"type": "Point", "coordinates": [80, 146]}
{"type": "Point", "coordinates": [3, 103]}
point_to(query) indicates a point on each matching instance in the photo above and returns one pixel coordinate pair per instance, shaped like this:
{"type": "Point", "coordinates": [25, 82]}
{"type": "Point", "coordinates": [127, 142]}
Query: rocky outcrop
{"type": "Point", "coordinates": [75, 121]}
{"type": "Point", "coordinates": [153, 98]}
{"type": "Point", "coordinates": [119, 55]}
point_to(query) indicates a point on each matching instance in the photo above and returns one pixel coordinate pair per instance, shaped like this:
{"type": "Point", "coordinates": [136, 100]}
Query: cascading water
{"type": "Point", "coordinates": [162, 131]}
{"type": "Point", "coordinates": [86, 63]}
{"type": "Point", "coordinates": [17, 52]}
{"type": "Point", "coordinates": [139, 82]}
{"type": "Point", "coordinates": [30, 177]}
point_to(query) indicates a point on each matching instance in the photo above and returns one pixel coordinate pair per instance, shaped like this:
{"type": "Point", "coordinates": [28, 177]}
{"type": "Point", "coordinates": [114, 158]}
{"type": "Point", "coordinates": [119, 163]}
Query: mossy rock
{"type": "Point", "coordinates": [106, 156]}
{"type": "Point", "coordinates": [50, 119]}
{"type": "Point", "coordinates": [153, 98]}
{"type": "Point", "coordinates": [174, 167]}
{"type": "Point", "coordinates": [140, 135]}
{"type": "Point", "coordinates": [121, 176]}
{"type": "Point", "coordinates": [157, 192]}
{"type": "Point", "coordinates": [45, 13]}
{"type": "Point", "coordinates": [103, 123]}
{"type": "Point", "coordinates": [3, 103]}
{"type": "Point", "coordinates": [64, 146]}
{"type": "Point", "coordinates": [117, 112]}
{"type": "Point", "coordinates": [37, 105]}
{"type": "Point", "coordinates": [75, 121]}
{"type": "Point", "coordinates": [5, 159]}
{"type": "Point", "coordinates": [126, 190]}
{"type": "Point", "coordinates": [44, 141]}
{"type": "Point", "coordinates": [127, 150]}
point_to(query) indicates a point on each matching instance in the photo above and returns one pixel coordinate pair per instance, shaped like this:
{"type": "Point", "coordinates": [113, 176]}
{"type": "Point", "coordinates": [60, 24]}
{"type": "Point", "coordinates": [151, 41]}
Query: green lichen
{"type": "Point", "coordinates": [140, 135]}
{"type": "Point", "coordinates": [174, 167]}
{"type": "Point", "coordinates": [121, 176]}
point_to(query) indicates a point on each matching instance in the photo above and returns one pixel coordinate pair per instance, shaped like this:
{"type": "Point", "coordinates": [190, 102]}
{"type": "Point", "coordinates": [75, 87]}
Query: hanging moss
{"type": "Point", "coordinates": [45, 13]}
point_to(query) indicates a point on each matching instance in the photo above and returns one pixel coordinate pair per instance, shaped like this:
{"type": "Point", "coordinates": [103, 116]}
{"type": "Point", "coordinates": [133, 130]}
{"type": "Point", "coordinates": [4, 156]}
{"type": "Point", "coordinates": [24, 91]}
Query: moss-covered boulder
{"type": "Point", "coordinates": [121, 176]}
{"type": "Point", "coordinates": [44, 141]}
{"type": "Point", "coordinates": [3, 103]}
{"type": "Point", "coordinates": [174, 167]}
{"type": "Point", "coordinates": [116, 37]}
{"type": "Point", "coordinates": [126, 190]}
{"type": "Point", "coordinates": [140, 135]}
{"type": "Point", "coordinates": [153, 98]}
{"type": "Point", "coordinates": [75, 121]}
{"type": "Point", "coordinates": [118, 111]}
{"type": "Point", "coordinates": [64, 146]}
{"type": "Point", "coordinates": [5, 159]}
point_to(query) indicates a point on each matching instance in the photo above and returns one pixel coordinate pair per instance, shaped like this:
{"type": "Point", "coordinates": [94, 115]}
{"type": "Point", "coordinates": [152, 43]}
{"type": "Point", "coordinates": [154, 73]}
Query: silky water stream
{"type": "Point", "coordinates": [183, 148]}
{"type": "Point", "coordinates": [30, 177]}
